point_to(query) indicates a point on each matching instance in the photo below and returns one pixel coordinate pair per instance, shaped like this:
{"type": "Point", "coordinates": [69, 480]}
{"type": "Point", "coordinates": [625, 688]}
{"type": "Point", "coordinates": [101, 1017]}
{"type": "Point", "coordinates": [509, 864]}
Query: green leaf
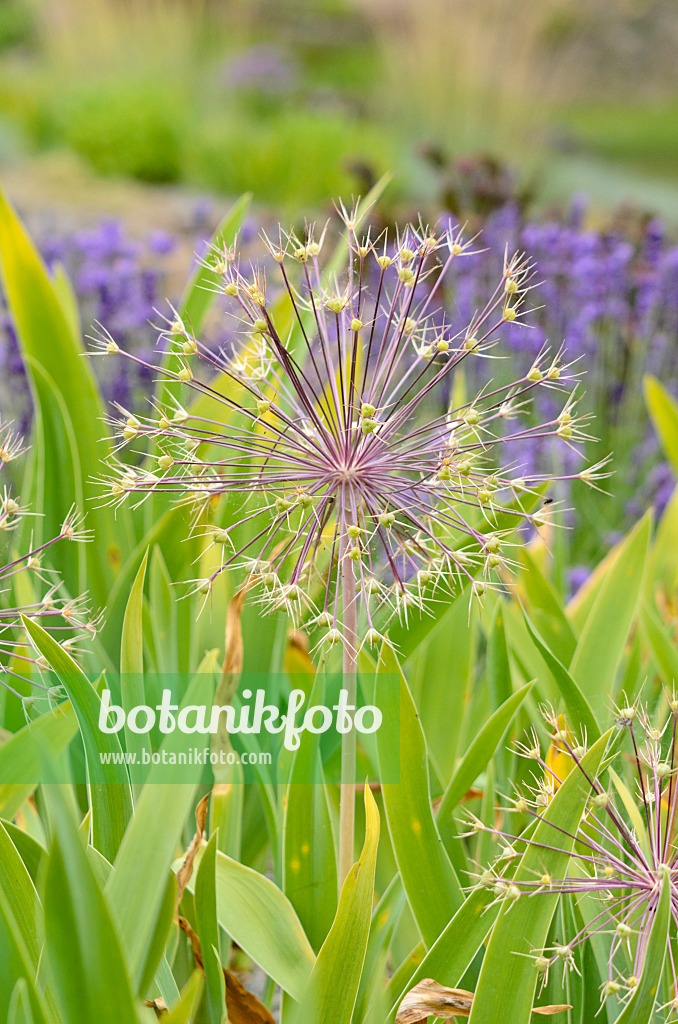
{"type": "Point", "coordinates": [200, 292]}
{"type": "Point", "coordinates": [640, 1007]}
{"type": "Point", "coordinates": [110, 794]}
{"type": "Point", "coordinates": [15, 963]}
{"type": "Point", "coordinates": [207, 927]}
{"type": "Point", "coordinates": [333, 986]}
{"type": "Point", "coordinates": [22, 898]}
{"type": "Point", "coordinates": [86, 966]}
{"type": "Point", "coordinates": [45, 329]}
{"type": "Point", "coordinates": [20, 757]}
{"type": "Point", "coordinates": [507, 982]}
{"type": "Point", "coordinates": [138, 883]}
{"type": "Point", "coordinates": [309, 860]}
{"type": "Point", "coordinates": [132, 671]}
{"type": "Point", "coordinates": [184, 1010]}
{"type": "Point", "coordinates": [547, 610]}
{"type": "Point", "coordinates": [432, 888]}
{"type": "Point", "coordinates": [663, 410]}
{"type": "Point", "coordinates": [607, 627]}
{"type": "Point", "coordinates": [27, 846]}
{"type": "Point", "coordinates": [20, 1011]}
{"type": "Point", "coordinates": [479, 753]}
{"type": "Point", "coordinates": [451, 954]}
{"type": "Point", "coordinates": [575, 701]}
{"type": "Point", "coordinates": [260, 918]}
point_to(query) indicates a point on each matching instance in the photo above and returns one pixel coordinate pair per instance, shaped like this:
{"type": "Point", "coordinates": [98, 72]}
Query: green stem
{"type": "Point", "coordinates": [348, 740]}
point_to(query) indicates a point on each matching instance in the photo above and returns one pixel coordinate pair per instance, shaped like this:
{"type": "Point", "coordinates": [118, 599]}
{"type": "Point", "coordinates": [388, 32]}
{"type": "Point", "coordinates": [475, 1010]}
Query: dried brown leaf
{"type": "Point", "coordinates": [429, 999]}
{"type": "Point", "coordinates": [186, 870]}
{"type": "Point", "coordinates": [159, 1006]}
{"type": "Point", "coordinates": [242, 1005]}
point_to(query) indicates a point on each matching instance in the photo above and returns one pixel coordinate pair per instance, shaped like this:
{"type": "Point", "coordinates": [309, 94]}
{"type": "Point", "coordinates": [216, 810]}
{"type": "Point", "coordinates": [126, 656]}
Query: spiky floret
{"type": "Point", "coordinates": [67, 619]}
{"type": "Point", "coordinates": [626, 844]}
{"type": "Point", "coordinates": [326, 430]}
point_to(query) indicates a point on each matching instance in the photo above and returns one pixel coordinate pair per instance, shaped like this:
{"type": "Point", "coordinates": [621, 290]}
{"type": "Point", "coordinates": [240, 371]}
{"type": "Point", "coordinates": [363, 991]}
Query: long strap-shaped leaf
{"type": "Point", "coordinates": [110, 792]}
{"type": "Point", "coordinates": [508, 978]}
{"type": "Point", "coordinates": [52, 350]}
{"type": "Point", "coordinates": [333, 986]}
{"type": "Point", "coordinates": [432, 888]}
{"type": "Point", "coordinates": [137, 885]}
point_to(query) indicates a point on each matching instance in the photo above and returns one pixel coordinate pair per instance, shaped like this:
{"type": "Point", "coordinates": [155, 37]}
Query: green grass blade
{"type": "Point", "coordinates": [508, 980]}
{"type": "Point", "coordinates": [110, 793]}
{"type": "Point", "coordinates": [333, 986]}
{"type": "Point", "coordinates": [430, 883]}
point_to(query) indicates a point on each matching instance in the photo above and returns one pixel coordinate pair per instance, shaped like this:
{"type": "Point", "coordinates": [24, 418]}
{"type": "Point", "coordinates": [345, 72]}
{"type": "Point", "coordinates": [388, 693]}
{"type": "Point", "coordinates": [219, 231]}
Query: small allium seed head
{"type": "Point", "coordinates": [510, 314]}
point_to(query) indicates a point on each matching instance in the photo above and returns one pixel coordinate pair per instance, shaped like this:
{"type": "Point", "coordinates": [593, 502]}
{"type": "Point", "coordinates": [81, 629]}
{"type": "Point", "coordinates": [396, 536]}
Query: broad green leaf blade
{"type": "Point", "coordinates": [207, 926]}
{"type": "Point", "coordinates": [432, 888]}
{"type": "Point", "coordinates": [45, 330]}
{"type": "Point", "coordinates": [333, 986]}
{"type": "Point", "coordinates": [576, 703]}
{"type": "Point", "coordinates": [663, 410]}
{"type": "Point", "coordinates": [139, 879]}
{"type": "Point", "coordinates": [508, 980]}
{"type": "Point", "coordinates": [260, 918]}
{"type": "Point", "coordinates": [309, 860]}
{"type": "Point", "coordinates": [640, 1007]}
{"type": "Point", "coordinates": [607, 627]}
{"type": "Point", "coordinates": [111, 798]}
{"type": "Point", "coordinates": [86, 966]}
{"type": "Point", "coordinates": [479, 753]}
{"type": "Point", "coordinates": [132, 671]}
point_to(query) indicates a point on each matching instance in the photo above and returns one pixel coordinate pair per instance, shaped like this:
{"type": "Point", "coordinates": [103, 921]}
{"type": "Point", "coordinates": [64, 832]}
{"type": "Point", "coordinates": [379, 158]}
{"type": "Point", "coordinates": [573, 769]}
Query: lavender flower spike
{"type": "Point", "coordinates": [626, 847]}
{"type": "Point", "coordinates": [361, 500]}
{"type": "Point", "coordinates": [67, 619]}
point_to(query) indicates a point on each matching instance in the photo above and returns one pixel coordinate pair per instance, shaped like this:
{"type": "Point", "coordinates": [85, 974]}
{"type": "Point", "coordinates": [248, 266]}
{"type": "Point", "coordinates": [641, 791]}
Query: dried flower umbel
{"type": "Point", "coordinates": [362, 503]}
{"type": "Point", "coordinates": [626, 846]}
{"type": "Point", "coordinates": [67, 619]}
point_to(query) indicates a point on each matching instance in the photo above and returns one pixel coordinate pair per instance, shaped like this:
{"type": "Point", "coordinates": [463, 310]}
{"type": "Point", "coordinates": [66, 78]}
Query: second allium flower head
{"type": "Point", "coordinates": [361, 495]}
